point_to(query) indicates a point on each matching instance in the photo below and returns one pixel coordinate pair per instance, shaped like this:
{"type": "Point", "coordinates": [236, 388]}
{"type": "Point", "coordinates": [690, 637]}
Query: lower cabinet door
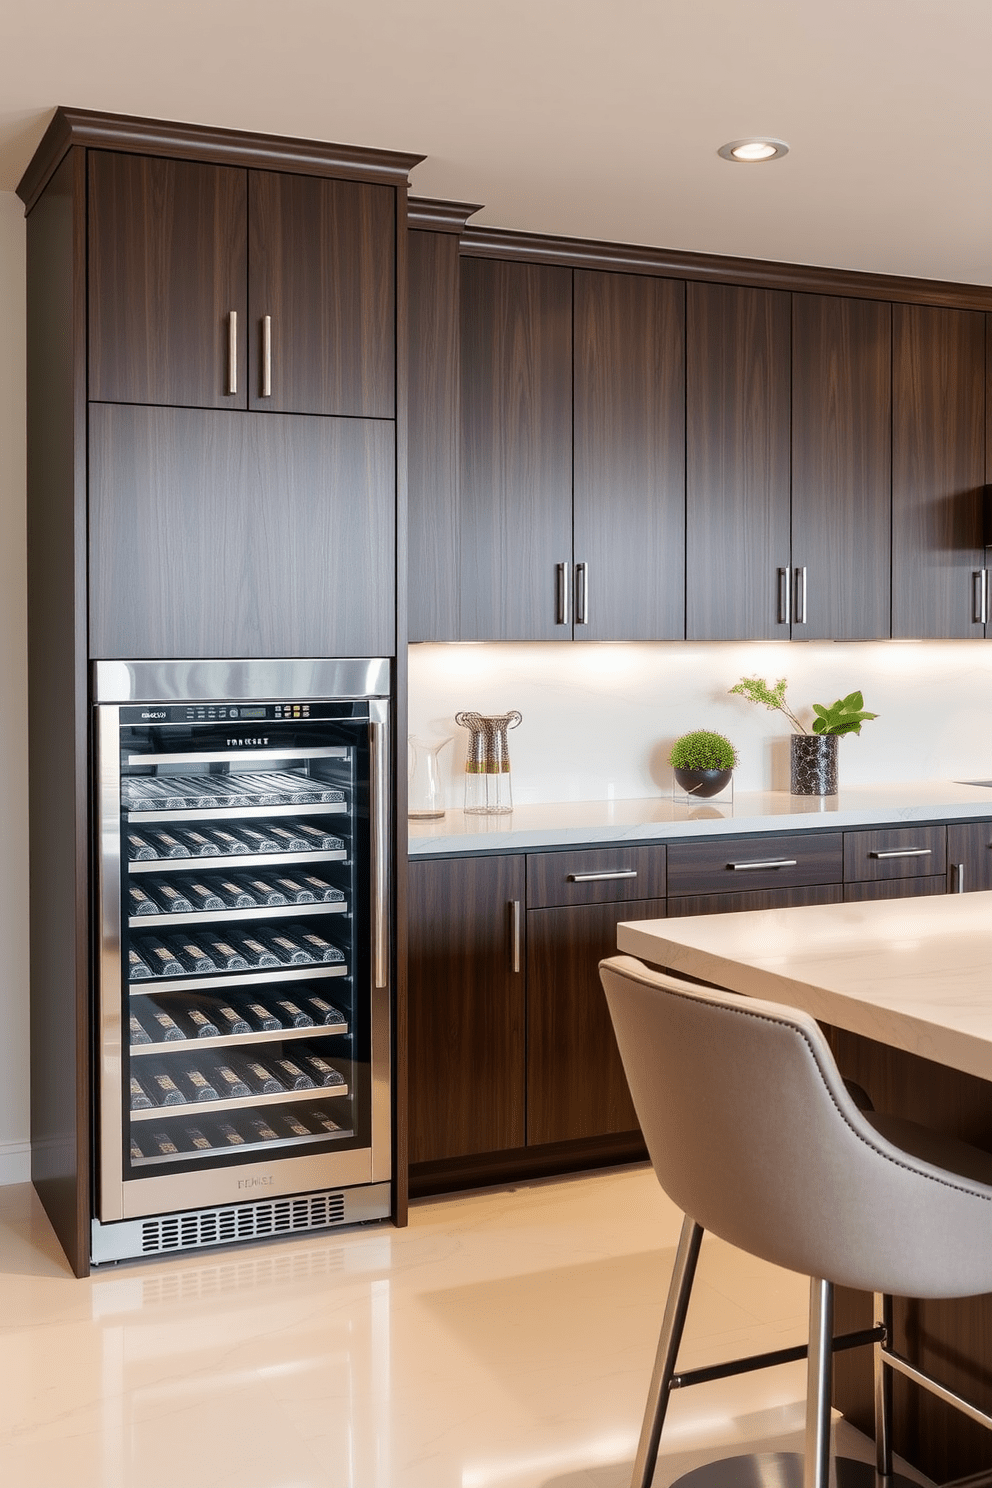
{"type": "Point", "coordinates": [969, 856]}
{"type": "Point", "coordinates": [700, 904]}
{"type": "Point", "coordinates": [576, 1086]}
{"type": "Point", "coordinates": [466, 1006]}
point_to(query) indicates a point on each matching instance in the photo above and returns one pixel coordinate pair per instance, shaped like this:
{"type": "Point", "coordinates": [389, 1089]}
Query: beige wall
{"type": "Point", "coordinates": [13, 705]}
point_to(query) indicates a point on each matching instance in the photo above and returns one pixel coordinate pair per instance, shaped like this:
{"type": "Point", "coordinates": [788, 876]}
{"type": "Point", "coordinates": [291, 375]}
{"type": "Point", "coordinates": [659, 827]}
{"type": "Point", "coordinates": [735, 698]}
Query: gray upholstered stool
{"type": "Point", "coordinates": [754, 1135]}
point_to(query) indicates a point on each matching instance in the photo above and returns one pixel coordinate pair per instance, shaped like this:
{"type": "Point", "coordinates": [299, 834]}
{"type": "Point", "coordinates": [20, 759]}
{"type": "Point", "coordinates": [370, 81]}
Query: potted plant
{"type": "Point", "coordinates": [813, 751]}
{"type": "Point", "coordinates": [703, 762]}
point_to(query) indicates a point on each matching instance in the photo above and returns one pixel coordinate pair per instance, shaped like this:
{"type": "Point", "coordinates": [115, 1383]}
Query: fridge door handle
{"type": "Point", "coordinates": [379, 811]}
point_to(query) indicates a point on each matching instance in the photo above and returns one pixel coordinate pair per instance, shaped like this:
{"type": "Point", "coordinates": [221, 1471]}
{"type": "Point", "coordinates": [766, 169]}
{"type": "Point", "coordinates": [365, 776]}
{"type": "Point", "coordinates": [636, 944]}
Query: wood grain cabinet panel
{"type": "Point", "coordinates": [786, 898]}
{"type": "Point", "coordinates": [168, 262]}
{"type": "Point", "coordinates": [629, 452]}
{"type": "Point", "coordinates": [894, 888]}
{"type": "Point", "coordinates": [969, 856]}
{"type": "Point", "coordinates": [576, 1086]}
{"type": "Point", "coordinates": [724, 866]}
{"type": "Point", "coordinates": [238, 534]}
{"type": "Point", "coordinates": [466, 1008]}
{"type": "Point", "coordinates": [595, 875]}
{"type": "Point", "coordinates": [738, 420]}
{"type": "Point", "coordinates": [841, 468]}
{"type": "Point", "coordinates": [516, 454]}
{"type": "Point", "coordinates": [895, 852]}
{"type": "Point", "coordinates": [321, 268]}
{"type": "Point", "coordinates": [938, 471]}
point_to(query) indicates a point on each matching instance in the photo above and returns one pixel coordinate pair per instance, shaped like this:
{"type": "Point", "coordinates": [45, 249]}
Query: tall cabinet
{"type": "Point", "coordinates": [215, 400]}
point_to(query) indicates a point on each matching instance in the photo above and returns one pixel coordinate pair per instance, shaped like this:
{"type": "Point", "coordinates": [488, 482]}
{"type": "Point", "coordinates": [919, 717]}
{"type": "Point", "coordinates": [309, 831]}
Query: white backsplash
{"type": "Point", "coordinates": [599, 719]}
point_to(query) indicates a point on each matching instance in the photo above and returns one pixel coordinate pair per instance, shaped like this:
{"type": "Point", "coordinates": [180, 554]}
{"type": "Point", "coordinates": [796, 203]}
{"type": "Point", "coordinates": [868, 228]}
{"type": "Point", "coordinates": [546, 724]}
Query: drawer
{"type": "Point", "coordinates": [895, 852]}
{"type": "Point", "coordinates": [723, 865]}
{"type": "Point", "coordinates": [602, 875]}
{"type": "Point", "coordinates": [895, 888]}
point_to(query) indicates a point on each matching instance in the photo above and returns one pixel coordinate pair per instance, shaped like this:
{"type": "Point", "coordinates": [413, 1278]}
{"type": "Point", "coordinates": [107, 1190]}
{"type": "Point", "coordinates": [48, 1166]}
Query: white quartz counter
{"type": "Point", "coordinates": [567, 824]}
{"type": "Point", "coordinates": [912, 973]}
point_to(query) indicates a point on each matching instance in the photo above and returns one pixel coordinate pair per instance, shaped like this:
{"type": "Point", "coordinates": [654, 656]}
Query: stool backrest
{"type": "Point", "coordinates": [752, 1133]}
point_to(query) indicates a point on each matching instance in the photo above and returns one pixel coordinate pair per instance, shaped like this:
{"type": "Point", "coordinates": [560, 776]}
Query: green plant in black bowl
{"type": "Point", "coordinates": [703, 762]}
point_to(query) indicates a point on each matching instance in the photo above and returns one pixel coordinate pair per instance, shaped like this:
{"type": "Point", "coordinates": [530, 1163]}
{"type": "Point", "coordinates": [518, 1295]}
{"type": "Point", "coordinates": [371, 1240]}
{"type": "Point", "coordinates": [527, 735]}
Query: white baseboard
{"type": "Point", "coordinates": [15, 1162]}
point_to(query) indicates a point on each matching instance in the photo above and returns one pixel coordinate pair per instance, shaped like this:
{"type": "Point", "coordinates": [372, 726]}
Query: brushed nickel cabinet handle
{"type": "Point", "coordinates": [515, 933]}
{"type": "Point", "coordinates": [785, 596]}
{"type": "Point", "coordinates": [958, 877]}
{"type": "Point", "coordinates": [266, 356]}
{"type": "Point", "coordinates": [980, 596]}
{"type": "Point", "coordinates": [765, 863]}
{"type": "Point", "coordinates": [582, 594]}
{"type": "Point", "coordinates": [904, 852]}
{"type": "Point", "coordinates": [801, 596]}
{"type": "Point", "coordinates": [596, 877]}
{"type": "Point", "coordinates": [379, 810]}
{"type": "Point", "coordinates": [561, 572]}
{"type": "Point", "coordinates": [232, 351]}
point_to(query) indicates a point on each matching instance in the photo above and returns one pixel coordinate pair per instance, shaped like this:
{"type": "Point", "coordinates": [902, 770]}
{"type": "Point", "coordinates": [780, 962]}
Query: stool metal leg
{"type": "Point", "coordinates": [666, 1358]}
{"type": "Point", "coordinates": [883, 1389]}
{"type": "Point", "coordinates": [816, 1465]}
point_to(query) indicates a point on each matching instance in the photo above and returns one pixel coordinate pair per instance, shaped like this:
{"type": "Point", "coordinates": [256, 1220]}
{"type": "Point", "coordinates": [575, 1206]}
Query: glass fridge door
{"type": "Point", "coordinates": [248, 936]}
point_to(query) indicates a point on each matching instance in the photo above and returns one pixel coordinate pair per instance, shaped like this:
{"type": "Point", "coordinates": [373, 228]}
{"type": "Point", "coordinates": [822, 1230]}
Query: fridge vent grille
{"type": "Point", "coordinates": [255, 1221]}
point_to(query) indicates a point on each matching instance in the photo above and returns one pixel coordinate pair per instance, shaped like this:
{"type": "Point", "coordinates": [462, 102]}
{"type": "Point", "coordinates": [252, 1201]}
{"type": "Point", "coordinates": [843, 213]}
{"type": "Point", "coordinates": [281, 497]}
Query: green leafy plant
{"type": "Point", "coordinates": [703, 750]}
{"type": "Point", "coordinates": [845, 716]}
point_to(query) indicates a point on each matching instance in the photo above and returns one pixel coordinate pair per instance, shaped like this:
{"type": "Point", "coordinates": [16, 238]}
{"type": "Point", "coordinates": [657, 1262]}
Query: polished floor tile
{"type": "Point", "coordinates": [504, 1340]}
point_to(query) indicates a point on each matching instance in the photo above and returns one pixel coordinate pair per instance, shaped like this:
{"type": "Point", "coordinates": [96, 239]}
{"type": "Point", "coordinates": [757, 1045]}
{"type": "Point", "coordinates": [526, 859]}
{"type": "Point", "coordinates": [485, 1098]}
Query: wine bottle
{"type": "Point", "coordinates": [260, 1078]}
{"type": "Point", "coordinates": [195, 1085]}
{"type": "Point", "coordinates": [291, 1075]}
{"type": "Point", "coordinates": [228, 841]}
{"type": "Point", "coordinates": [294, 1125]}
{"type": "Point", "coordinates": [321, 1120]}
{"type": "Point", "coordinates": [199, 844]}
{"type": "Point", "coordinates": [258, 840]}
{"type": "Point", "coordinates": [320, 949]}
{"type": "Point", "coordinates": [323, 1073]}
{"type": "Point", "coordinates": [191, 957]}
{"type": "Point", "coordinates": [139, 1035]}
{"type": "Point", "coordinates": [166, 844]}
{"type": "Point", "coordinates": [163, 1144]}
{"type": "Point", "coordinates": [197, 1141]}
{"type": "Point", "coordinates": [201, 895]}
{"type": "Point", "coordinates": [229, 1083]}
{"type": "Point", "coordinates": [233, 894]}
{"type": "Point", "coordinates": [198, 1024]}
{"type": "Point", "coordinates": [136, 1152]}
{"type": "Point", "coordinates": [171, 898]}
{"type": "Point", "coordinates": [261, 890]}
{"type": "Point", "coordinates": [233, 1022]}
{"type": "Point", "coordinates": [262, 1017]}
{"type": "Point", "coordinates": [261, 1129]}
{"type": "Point", "coordinates": [230, 1133]}
{"type": "Point", "coordinates": [159, 957]}
{"type": "Point", "coordinates": [285, 946]}
{"type": "Point", "coordinates": [140, 1101]}
{"type": "Point", "coordinates": [254, 952]}
{"type": "Point", "coordinates": [295, 891]}
{"type": "Point", "coordinates": [140, 903]}
{"type": "Point", "coordinates": [137, 969]}
{"type": "Point", "coordinates": [291, 1013]}
{"type": "Point", "coordinates": [139, 849]}
{"type": "Point", "coordinates": [223, 954]}
{"type": "Point", "coordinates": [324, 1012]}
{"type": "Point", "coordinates": [164, 1026]}
{"type": "Point", "coordinates": [318, 839]}
{"type": "Point", "coordinates": [322, 891]}
{"type": "Point", "coordinates": [289, 838]}
{"type": "Point", "coordinates": [162, 1087]}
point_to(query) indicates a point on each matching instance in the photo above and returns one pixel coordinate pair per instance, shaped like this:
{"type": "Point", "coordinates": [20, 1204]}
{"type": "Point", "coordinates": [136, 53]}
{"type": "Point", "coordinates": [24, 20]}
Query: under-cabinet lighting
{"type": "Point", "coordinates": [750, 150]}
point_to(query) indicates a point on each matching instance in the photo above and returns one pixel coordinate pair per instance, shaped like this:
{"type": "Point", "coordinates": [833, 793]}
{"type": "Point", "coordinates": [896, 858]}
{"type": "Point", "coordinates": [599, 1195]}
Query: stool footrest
{"type": "Point", "coordinates": [950, 1397]}
{"type": "Point", "coordinates": [689, 1377]}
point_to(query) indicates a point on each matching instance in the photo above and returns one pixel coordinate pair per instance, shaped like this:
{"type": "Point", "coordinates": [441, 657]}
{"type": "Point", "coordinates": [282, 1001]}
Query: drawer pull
{"type": "Point", "coordinates": [904, 852]}
{"type": "Point", "coordinates": [515, 935]}
{"type": "Point", "coordinates": [765, 863]}
{"type": "Point", "coordinates": [596, 877]}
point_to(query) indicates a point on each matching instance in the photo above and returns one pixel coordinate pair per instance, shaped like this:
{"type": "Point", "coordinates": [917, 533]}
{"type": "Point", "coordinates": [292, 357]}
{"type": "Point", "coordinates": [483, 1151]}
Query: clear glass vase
{"type": "Point", "coordinates": [487, 763]}
{"type": "Point", "coordinates": [425, 789]}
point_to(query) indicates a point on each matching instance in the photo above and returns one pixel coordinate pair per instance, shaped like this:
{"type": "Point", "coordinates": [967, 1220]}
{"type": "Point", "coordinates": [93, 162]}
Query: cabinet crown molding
{"type": "Point", "coordinates": [103, 131]}
{"type": "Point", "coordinates": [431, 215]}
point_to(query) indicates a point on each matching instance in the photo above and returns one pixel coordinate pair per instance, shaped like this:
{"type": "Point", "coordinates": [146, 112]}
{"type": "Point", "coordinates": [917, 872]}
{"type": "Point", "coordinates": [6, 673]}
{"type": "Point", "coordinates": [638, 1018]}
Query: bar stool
{"type": "Point", "coordinates": [754, 1135]}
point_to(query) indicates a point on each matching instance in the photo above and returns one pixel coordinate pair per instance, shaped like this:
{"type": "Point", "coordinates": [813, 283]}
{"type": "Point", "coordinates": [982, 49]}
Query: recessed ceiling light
{"type": "Point", "coordinates": [749, 150]}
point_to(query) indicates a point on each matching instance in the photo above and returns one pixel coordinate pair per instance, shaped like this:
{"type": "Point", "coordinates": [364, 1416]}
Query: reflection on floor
{"type": "Point", "coordinates": [503, 1341]}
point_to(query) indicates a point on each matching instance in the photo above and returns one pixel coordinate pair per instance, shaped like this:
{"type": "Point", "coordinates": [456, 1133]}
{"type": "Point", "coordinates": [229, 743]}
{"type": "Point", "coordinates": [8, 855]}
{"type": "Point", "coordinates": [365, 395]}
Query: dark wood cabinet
{"type": "Point", "coordinates": [304, 264]}
{"type": "Point", "coordinates": [719, 865]}
{"type": "Point", "coordinates": [168, 266]}
{"type": "Point", "coordinates": [895, 853]}
{"type": "Point", "coordinates": [938, 472]}
{"type": "Point", "coordinates": [321, 296]}
{"type": "Point", "coordinates": [239, 534]}
{"type": "Point", "coordinates": [738, 416]}
{"type": "Point", "coordinates": [969, 856]}
{"type": "Point", "coordinates": [516, 451]}
{"type": "Point", "coordinates": [576, 1086]}
{"type": "Point", "coordinates": [895, 888]}
{"type": "Point", "coordinates": [841, 432]}
{"type": "Point", "coordinates": [467, 1019]}
{"type": "Point", "coordinates": [629, 453]}
{"type": "Point", "coordinates": [741, 899]}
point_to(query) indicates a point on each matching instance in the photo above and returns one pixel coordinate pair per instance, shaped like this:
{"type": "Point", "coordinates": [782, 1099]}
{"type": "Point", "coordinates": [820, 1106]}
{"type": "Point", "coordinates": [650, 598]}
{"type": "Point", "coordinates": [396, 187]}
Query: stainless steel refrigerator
{"type": "Point", "coordinates": [244, 946]}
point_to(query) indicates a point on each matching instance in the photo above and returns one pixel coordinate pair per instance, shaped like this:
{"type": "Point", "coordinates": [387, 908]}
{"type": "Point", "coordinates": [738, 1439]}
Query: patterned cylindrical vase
{"type": "Point", "coordinates": [814, 765]}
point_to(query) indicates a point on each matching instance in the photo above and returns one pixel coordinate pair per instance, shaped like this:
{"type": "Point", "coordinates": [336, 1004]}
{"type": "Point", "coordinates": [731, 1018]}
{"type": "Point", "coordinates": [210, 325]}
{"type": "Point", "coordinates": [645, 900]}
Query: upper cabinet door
{"type": "Point", "coordinates": [841, 468]}
{"type": "Point", "coordinates": [516, 472]}
{"type": "Point", "coordinates": [167, 270]}
{"type": "Point", "coordinates": [738, 347]}
{"type": "Point", "coordinates": [629, 520]}
{"type": "Point", "coordinates": [322, 296]}
{"type": "Point", "coordinates": [938, 470]}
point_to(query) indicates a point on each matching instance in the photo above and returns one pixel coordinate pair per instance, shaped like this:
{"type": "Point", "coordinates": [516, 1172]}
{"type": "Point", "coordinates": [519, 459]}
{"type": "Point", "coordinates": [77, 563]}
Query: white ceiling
{"type": "Point", "coordinates": [596, 118]}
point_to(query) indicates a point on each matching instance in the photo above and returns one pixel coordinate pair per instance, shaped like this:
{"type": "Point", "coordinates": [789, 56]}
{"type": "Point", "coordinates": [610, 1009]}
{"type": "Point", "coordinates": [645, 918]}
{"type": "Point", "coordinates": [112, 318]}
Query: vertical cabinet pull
{"type": "Point", "coordinates": [232, 351]}
{"type": "Point", "coordinates": [958, 877]}
{"type": "Point", "coordinates": [784, 596]}
{"type": "Point", "coordinates": [980, 596]}
{"type": "Point", "coordinates": [266, 356]}
{"type": "Point", "coordinates": [561, 594]}
{"type": "Point", "coordinates": [801, 596]}
{"type": "Point", "coordinates": [582, 594]}
{"type": "Point", "coordinates": [515, 935]}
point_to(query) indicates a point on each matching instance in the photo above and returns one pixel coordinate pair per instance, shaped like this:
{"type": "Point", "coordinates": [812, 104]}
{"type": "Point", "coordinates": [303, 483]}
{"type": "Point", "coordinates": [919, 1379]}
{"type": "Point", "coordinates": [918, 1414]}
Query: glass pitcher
{"type": "Point", "coordinates": [425, 797]}
{"type": "Point", "coordinates": [487, 764]}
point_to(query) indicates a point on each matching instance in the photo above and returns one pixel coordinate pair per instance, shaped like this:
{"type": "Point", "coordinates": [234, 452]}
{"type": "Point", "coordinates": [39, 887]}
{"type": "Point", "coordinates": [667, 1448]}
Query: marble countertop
{"type": "Point", "coordinates": [659, 818]}
{"type": "Point", "coordinates": [912, 973]}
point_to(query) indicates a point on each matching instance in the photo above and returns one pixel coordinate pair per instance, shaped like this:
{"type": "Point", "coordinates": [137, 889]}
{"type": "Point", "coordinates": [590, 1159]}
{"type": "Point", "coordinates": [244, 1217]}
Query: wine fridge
{"type": "Point", "coordinates": [243, 1059]}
